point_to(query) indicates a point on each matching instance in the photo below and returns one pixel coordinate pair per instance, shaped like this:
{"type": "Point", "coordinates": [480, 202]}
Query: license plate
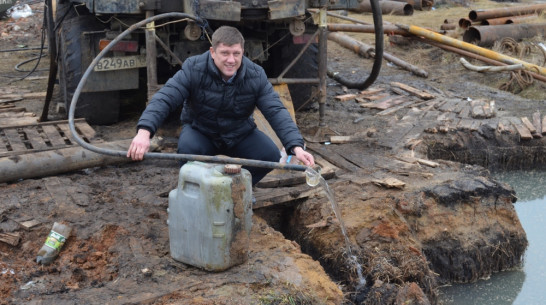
{"type": "Point", "coordinates": [120, 63]}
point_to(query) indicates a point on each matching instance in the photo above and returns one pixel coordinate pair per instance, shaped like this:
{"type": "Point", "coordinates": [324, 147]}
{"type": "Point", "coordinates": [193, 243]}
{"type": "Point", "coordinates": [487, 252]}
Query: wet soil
{"type": "Point", "coordinates": [450, 223]}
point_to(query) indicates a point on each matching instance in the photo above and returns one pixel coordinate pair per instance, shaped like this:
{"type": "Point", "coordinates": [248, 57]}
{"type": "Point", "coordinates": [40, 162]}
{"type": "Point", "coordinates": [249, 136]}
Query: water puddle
{"type": "Point", "coordinates": [313, 179]}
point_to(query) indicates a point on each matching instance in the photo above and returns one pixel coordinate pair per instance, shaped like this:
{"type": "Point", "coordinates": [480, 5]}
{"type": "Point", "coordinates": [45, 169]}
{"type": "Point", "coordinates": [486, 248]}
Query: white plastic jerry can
{"type": "Point", "coordinates": [210, 216]}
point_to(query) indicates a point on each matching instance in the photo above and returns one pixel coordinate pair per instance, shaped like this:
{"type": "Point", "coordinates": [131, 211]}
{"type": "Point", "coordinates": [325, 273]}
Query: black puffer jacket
{"type": "Point", "coordinates": [220, 110]}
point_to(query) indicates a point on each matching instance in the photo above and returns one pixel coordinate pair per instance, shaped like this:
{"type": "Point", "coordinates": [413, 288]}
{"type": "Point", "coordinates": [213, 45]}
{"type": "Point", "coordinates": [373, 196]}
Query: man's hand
{"type": "Point", "coordinates": [140, 145]}
{"type": "Point", "coordinates": [303, 156]}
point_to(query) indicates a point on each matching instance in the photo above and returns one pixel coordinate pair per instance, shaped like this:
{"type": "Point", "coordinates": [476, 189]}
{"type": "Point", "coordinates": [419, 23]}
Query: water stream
{"type": "Point", "coordinates": [313, 179]}
{"type": "Point", "coordinates": [524, 285]}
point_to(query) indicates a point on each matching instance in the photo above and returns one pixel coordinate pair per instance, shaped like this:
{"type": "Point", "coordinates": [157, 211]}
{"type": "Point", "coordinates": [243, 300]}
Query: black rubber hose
{"type": "Point", "coordinates": [18, 66]}
{"type": "Point", "coordinates": [379, 46]}
{"type": "Point", "coordinates": [120, 153]}
{"type": "Point", "coordinates": [42, 44]}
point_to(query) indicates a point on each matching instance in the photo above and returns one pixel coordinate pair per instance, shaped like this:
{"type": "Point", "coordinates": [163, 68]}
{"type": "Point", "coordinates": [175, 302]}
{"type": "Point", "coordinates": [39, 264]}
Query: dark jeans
{"type": "Point", "coordinates": [256, 146]}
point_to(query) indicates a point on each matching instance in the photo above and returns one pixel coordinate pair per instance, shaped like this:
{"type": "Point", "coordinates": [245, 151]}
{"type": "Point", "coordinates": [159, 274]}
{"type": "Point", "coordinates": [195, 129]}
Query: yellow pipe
{"type": "Point", "coordinates": [418, 31]}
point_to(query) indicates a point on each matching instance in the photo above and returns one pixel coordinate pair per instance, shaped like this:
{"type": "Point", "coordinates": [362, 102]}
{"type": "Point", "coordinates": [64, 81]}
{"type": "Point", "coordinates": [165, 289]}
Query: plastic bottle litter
{"type": "Point", "coordinates": [53, 244]}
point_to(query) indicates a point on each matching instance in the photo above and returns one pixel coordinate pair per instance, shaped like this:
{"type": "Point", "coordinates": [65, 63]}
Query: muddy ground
{"type": "Point", "coordinates": [450, 223]}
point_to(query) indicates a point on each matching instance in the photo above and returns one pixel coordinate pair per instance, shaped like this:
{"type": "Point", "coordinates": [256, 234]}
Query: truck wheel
{"type": "Point", "coordinates": [306, 67]}
{"type": "Point", "coordinates": [99, 108]}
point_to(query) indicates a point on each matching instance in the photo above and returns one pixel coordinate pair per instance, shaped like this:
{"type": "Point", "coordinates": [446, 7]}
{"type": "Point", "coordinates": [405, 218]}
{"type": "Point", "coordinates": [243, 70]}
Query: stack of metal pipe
{"type": "Point", "coordinates": [484, 27]}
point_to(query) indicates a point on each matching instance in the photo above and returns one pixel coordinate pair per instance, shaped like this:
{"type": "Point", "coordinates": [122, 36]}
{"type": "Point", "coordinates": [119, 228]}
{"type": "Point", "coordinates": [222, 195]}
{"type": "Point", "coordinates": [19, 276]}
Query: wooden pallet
{"type": "Point", "coordinates": [31, 138]}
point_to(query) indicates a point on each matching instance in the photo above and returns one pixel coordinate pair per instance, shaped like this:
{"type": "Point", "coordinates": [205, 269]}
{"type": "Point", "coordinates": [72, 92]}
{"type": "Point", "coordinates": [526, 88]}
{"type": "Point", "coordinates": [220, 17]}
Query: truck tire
{"type": "Point", "coordinates": [306, 67]}
{"type": "Point", "coordinates": [99, 108]}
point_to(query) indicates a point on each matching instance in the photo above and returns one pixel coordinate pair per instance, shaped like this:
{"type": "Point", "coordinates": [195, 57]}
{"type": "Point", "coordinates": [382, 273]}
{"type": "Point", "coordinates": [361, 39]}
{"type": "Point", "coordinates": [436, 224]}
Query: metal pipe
{"type": "Point", "coordinates": [122, 153]}
{"type": "Point", "coordinates": [367, 50]}
{"type": "Point", "coordinates": [346, 18]}
{"type": "Point", "coordinates": [48, 163]}
{"type": "Point", "coordinates": [387, 7]}
{"type": "Point", "coordinates": [289, 81]}
{"type": "Point", "coordinates": [322, 63]}
{"type": "Point", "coordinates": [168, 50]}
{"type": "Point", "coordinates": [473, 55]}
{"type": "Point", "coordinates": [508, 20]}
{"type": "Point", "coordinates": [479, 15]}
{"type": "Point", "coordinates": [415, 30]}
{"type": "Point", "coordinates": [361, 28]}
{"type": "Point", "coordinates": [420, 5]}
{"type": "Point", "coordinates": [358, 21]}
{"type": "Point", "coordinates": [487, 35]}
{"type": "Point", "coordinates": [151, 56]}
{"type": "Point", "coordinates": [521, 19]}
{"type": "Point", "coordinates": [465, 23]}
{"type": "Point", "coordinates": [448, 26]}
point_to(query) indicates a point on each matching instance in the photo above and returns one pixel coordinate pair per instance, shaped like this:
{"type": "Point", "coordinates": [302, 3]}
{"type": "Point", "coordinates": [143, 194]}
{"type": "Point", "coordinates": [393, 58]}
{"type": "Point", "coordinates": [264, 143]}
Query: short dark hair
{"type": "Point", "coordinates": [227, 35]}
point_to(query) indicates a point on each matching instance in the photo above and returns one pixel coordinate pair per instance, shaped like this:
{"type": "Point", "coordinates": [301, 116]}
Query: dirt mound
{"type": "Point", "coordinates": [118, 251]}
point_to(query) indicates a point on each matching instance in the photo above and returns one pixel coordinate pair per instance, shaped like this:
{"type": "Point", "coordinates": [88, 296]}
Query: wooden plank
{"type": "Point", "coordinates": [345, 97]}
{"type": "Point", "coordinates": [394, 109]}
{"type": "Point", "coordinates": [465, 124]}
{"type": "Point", "coordinates": [66, 130]}
{"type": "Point", "coordinates": [53, 135]}
{"type": "Point", "coordinates": [390, 182]}
{"type": "Point", "coordinates": [15, 140]}
{"type": "Point", "coordinates": [449, 106]}
{"type": "Point", "coordinates": [431, 115]}
{"type": "Point", "coordinates": [419, 93]}
{"type": "Point", "coordinates": [35, 138]}
{"type": "Point", "coordinates": [528, 124]}
{"type": "Point", "coordinates": [388, 103]}
{"type": "Point", "coordinates": [263, 124]}
{"type": "Point", "coordinates": [538, 125]}
{"type": "Point", "coordinates": [29, 224]}
{"type": "Point", "coordinates": [427, 162]}
{"type": "Point", "coordinates": [10, 100]}
{"type": "Point", "coordinates": [16, 114]}
{"type": "Point", "coordinates": [280, 178]}
{"type": "Point", "coordinates": [459, 106]}
{"type": "Point", "coordinates": [465, 112]}
{"type": "Point", "coordinates": [524, 133]}
{"type": "Point", "coordinates": [13, 122]}
{"type": "Point", "coordinates": [505, 126]}
{"type": "Point", "coordinates": [346, 139]}
{"type": "Point", "coordinates": [370, 91]}
{"type": "Point", "coordinates": [270, 197]}
{"type": "Point", "coordinates": [36, 123]}
{"type": "Point", "coordinates": [24, 95]}
{"type": "Point", "coordinates": [475, 125]}
{"type": "Point", "coordinates": [12, 109]}
{"type": "Point", "coordinates": [374, 97]}
{"type": "Point", "coordinates": [10, 238]}
{"type": "Point", "coordinates": [333, 157]}
{"type": "Point", "coordinates": [85, 130]}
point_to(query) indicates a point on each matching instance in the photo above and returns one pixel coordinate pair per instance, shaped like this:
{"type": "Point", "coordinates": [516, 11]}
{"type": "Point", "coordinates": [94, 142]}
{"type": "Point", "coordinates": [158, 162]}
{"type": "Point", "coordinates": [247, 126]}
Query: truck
{"type": "Point", "coordinates": [275, 32]}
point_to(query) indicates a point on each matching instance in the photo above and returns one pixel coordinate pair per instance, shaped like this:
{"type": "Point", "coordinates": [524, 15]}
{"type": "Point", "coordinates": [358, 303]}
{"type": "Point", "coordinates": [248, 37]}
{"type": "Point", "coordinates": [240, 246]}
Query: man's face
{"type": "Point", "coordinates": [227, 59]}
